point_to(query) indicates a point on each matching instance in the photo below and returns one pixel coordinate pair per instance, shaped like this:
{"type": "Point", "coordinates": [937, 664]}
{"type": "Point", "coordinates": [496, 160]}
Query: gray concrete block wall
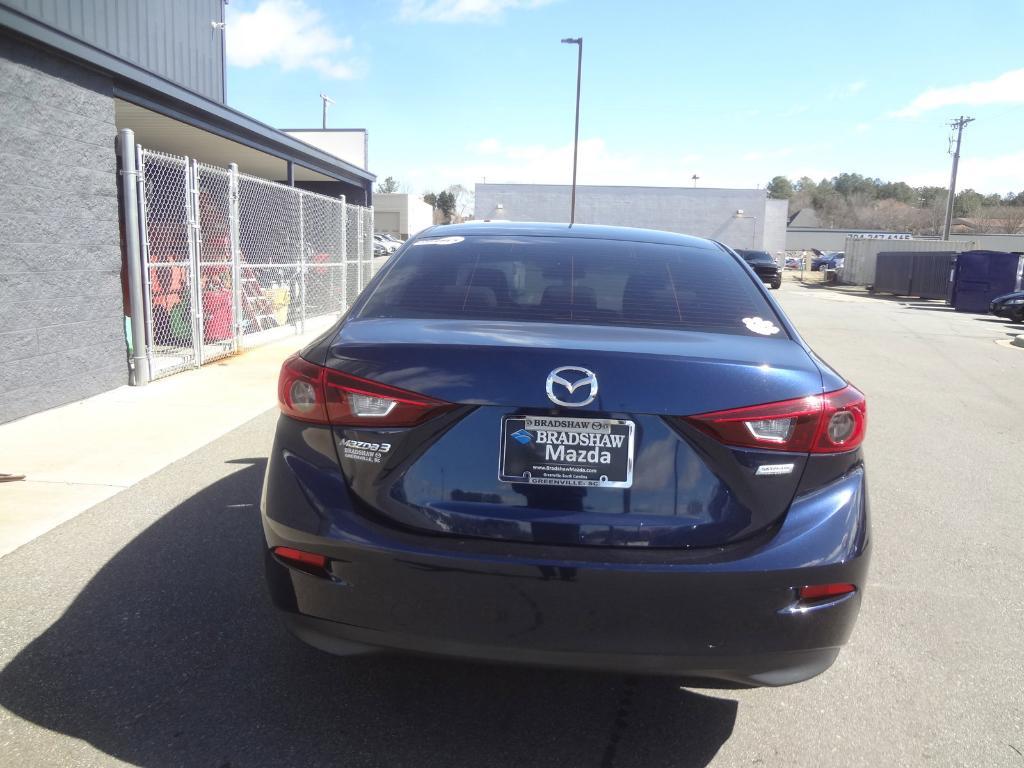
{"type": "Point", "coordinates": [61, 312]}
{"type": "Point", "coordinates": [703, 212]}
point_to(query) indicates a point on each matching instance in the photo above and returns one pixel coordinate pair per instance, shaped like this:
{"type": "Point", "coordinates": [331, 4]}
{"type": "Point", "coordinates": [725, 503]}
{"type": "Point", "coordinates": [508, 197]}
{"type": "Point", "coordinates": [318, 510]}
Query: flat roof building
{"type": "Point", "coordinates": [740, 218]}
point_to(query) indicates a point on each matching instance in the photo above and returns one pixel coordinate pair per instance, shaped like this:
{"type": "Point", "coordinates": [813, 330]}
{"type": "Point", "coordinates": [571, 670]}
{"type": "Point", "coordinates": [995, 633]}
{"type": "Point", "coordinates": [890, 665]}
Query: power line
{"type": "Point", "coordinates": [959, 126]}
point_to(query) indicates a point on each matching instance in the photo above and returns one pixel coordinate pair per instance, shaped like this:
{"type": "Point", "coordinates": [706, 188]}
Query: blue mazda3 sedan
{"type": "Point", "coordinates": [583, 446]}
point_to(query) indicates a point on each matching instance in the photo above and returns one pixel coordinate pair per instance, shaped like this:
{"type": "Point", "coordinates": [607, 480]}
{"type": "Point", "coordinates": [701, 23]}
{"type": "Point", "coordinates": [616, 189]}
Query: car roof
{"type": "Point", "coordinates": [552, 229]}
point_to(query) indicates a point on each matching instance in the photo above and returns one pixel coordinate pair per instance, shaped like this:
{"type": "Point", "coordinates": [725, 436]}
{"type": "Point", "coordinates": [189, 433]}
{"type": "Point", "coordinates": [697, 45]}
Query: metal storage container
{"type": "Point", "coordinates": [862, 254]}
{"type": "Point", "coordinates": [914, 273]}
{"type": "Point", "coordinates": [980, 276]}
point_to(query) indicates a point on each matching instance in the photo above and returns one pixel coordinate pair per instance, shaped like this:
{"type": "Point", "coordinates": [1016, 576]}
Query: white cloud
{"type": "Point", "coordinates": [997, 173]}
{"type": "Point", "coordinates": [856, 87]}
{"type": "Point", "coordinates": [1008, 88]}
{"type": "Point", "coordinates": [288, 33]}
{"type": "Point", "coordinates": [487, 147]}
{"type": "Point", "coordinates": [862, 127]}
{"type": "Point", "coordinates": [461, 10]}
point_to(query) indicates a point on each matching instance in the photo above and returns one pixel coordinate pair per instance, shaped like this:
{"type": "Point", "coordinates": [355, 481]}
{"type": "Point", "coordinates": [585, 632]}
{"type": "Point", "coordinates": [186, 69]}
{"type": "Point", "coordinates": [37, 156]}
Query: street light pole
{"type": "Point", "coordinates": [326, 100]}
{"type": "Point", "coordinates": [576, 138]}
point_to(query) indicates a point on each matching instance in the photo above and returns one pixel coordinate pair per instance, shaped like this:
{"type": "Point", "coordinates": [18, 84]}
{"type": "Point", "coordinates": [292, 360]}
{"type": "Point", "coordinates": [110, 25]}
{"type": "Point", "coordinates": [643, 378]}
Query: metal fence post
{"type": "Point", "coordinates": [236, 258]}
{"type": "Point", "coordinates": [344, 253]}
{"type": "Point", "coordinates": [133, 255]}
{"type": "Point", "coordinates": [147, 288]}
{"type": "Point", "coordinates": [302, 265]}
{"type": "Point", "coordinates": [368, 266]}
{"type": "Point", "coordinates": [359, 248]}
{"type": "Point", "coordinates": [194, 253]}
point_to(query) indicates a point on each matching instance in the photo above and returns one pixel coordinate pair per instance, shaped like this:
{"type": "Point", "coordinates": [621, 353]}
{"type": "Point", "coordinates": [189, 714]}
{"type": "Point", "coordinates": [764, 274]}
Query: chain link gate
{"type": "Point", "coordinates": [232, 261]}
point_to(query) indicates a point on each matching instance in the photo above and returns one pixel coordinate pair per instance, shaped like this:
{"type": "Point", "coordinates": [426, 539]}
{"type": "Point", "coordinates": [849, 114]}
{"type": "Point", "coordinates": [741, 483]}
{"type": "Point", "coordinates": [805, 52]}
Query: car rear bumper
{"type": "Point", "coordinates": [724, 613]}
{"type": "Point", "coordinates": [762, 669]}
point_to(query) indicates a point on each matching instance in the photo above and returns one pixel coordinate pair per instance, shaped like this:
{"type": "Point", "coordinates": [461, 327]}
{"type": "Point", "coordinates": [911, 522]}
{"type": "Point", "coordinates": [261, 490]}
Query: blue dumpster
{"type": "Point", "coordinates": [980, 276]}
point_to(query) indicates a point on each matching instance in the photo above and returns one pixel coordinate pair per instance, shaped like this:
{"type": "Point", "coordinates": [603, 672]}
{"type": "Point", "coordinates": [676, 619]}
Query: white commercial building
{"type": "Point", "coordinates": [348, 144]}
{"type": "Point", "coordinates": [400, 214]}
{"type": "Point", "coordinates": [740, 218]}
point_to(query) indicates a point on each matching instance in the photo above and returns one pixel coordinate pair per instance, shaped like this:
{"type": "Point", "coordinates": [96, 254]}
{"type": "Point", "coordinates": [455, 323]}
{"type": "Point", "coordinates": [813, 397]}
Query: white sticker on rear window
{"type": "Point", "coordinates": [760, 325]}
{"type": "Point", "coordinates": [441, 241]}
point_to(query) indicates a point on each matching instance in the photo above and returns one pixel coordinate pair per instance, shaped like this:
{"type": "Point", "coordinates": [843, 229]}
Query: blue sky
{"type": "Point", "coordinates": [461, 90]}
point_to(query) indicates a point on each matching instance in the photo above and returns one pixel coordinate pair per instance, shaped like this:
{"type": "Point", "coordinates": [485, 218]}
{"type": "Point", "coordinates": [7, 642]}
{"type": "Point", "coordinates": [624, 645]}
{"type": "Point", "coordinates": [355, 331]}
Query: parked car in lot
{"type": "Point", "coordinates": [387, 244]}
{"type": "Point", "coordinates": [793, 262]}
{"type": "Point", "coordinates": [764, 265]}
{"type": "Point", "coordinates": [827, 260]}
{"type": "Point", "coordinates": [1010, 306]}
{"type": "Point", "coordinates": [593, 447]}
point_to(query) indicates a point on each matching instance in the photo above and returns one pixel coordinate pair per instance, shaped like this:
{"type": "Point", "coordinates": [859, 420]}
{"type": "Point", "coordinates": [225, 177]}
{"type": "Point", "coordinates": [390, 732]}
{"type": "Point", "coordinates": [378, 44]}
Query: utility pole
{"type": "Point", "coordinates": [959, 125]}
{"type": "Point", "coordinates": [576, 139]}
{"type": "Point", "coordinates": [326, 100]}
{"type": "Point", "coordinates": [695, 177]}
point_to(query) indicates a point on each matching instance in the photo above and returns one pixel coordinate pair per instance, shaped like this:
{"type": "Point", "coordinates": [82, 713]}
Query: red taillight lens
{"type": "Point", "coordinates": [308, 392]}
{"type": "Point", "coordinates": [828, 423]}
{"type": "Point", "coordinates": [300, 391]}
{"type": "Point", "coordinates": [821, 591]}
{"type": "Point", "coordinates": [844, 419]}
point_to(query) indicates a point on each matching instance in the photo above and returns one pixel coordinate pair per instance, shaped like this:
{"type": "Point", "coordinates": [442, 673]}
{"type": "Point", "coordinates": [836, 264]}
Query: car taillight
{"type": "Point", "coordinates": [352, 401]}
{"type": "Point", "coordinates": [309, 392]}
{"type": "Point", "coordinates": [300, 390]}
{"type": "Point", "coordinates": [829, 423]}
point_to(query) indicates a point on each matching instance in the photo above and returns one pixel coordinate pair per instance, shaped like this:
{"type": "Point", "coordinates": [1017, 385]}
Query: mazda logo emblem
{"type": "Point", "coordinates": [572, 379]}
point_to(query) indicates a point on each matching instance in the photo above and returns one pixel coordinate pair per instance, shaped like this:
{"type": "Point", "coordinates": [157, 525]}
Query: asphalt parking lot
{"type": "Point", "coordinates": [140, 632]}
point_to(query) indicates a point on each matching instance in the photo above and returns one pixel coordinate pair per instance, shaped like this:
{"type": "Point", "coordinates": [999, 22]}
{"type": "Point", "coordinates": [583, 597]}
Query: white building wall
{"type": "Point", "coordinates": [736, 217]}
{"type": "Point", "coordinates": [401, 214]}
{"type": "Point", "coordinates": [348, 144]}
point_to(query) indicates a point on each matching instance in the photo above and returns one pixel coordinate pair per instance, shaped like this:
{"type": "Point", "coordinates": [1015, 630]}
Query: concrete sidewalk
{"type": "Point", "coordinates": [79, 454]}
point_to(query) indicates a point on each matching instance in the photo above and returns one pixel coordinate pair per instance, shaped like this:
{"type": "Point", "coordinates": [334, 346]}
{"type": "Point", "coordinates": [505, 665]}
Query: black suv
{"type": "Point", "coordinates": [765, 266]}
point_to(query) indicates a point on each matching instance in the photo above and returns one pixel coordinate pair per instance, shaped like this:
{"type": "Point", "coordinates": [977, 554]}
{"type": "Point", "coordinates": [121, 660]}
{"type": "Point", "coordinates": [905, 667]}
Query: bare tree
{"type": "Point", "coordinates": [463, 201]}
{"type": "Point", "coordinates": [1008, 219]}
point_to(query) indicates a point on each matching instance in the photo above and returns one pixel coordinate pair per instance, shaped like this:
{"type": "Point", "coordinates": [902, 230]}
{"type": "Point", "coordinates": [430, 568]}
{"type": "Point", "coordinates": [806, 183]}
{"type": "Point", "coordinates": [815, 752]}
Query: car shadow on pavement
{"type": "Point", "coordinates": [1012, 327]}
{"type": "Point", "coordinates": [172, 655]}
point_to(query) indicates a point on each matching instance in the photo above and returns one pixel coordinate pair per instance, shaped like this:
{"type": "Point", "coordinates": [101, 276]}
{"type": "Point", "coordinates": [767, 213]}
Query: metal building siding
{"type": "Point", "coordinates": [173, 39]}
{"type": "Point", "coordinates": [914, 273]}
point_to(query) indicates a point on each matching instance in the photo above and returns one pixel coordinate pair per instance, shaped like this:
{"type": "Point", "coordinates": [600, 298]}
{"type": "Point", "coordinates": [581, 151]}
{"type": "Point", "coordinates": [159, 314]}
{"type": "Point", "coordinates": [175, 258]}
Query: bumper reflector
{"type": "Point", "coordinates": [310, 560]}
{"type": "Point", "coordinates": [822, 591]}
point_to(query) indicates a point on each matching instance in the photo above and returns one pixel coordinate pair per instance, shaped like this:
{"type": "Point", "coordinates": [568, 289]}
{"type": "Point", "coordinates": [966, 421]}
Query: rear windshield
{"type": "Point", "coordinates": [573, 280]}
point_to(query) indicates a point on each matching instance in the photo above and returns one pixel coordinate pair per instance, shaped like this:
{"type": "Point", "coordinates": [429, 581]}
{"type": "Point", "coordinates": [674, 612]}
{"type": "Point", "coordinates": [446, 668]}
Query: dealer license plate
{"type": "Point", "coordinates": [555, 450]}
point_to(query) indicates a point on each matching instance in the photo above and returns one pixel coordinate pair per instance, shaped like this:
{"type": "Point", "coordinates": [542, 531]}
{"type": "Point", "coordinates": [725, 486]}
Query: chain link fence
{"type": "Point", "coordinates": [232, 260]}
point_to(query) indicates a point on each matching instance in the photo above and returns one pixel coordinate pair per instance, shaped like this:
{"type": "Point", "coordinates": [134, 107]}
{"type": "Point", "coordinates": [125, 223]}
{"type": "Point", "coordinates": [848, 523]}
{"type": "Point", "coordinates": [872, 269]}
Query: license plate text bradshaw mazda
{"type": "Point", "coordinates": [555, 450]}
